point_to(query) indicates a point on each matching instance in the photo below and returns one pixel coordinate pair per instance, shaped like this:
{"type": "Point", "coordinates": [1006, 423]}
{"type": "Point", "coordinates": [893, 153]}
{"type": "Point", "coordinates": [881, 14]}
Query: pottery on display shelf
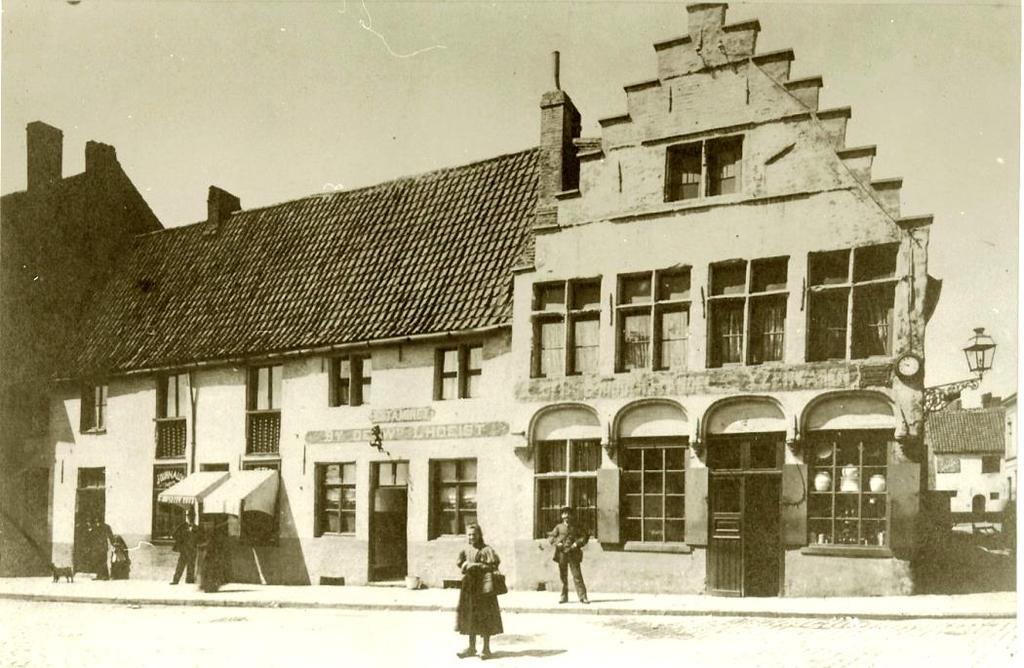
{"type": "Point", "coordinates": [877, 482]}
{"type": "Point", "coordinates": [823, 481]}
{"type": "Point", "coordinates": [850, 481]}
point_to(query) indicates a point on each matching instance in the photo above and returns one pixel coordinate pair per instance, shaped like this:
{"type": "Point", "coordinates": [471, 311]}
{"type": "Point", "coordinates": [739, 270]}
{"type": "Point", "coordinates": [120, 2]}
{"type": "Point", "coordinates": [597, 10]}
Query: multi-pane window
{"type": "Point", "coordinates": [336, 498]}
{"type": "Point", "coordinates": [166, 516]}
{"type": "Point", "coordinates": [652, 489]}
{"type": "Point", "coordinates": [706, 168]}
{"type": "Point", "coordinates": [653, 320]}
{"type": "Point", "coordinates": [848, 503]}
{"type": "Point", "coordinates": [263, 427]}
{"type": "Point", "coordinates": [747, 312]}
{"type": "Point", "coordinates": [457, 372]}
{"type": "Point", "coordinates": [350, 380]}
{"type": "Point", "coordinates": [566, 319]}
{"type": "Point", "coordinates": [566, 475]}
{"type": "Point", "coordinates": [851, 292]}
{"type": "Point", "coordinates": [453, 496]}
{"type": "Point", "coordinates": [93, 408]}
{"type": "Point", "coordinates": [172, 404]}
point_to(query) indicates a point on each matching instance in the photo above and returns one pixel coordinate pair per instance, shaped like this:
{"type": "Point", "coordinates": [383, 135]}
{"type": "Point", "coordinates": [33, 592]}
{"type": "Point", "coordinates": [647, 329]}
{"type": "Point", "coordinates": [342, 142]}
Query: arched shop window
{"type": "Point", "coordinates": [652, 458]}
{"type": "Point", "coordinates": [848, 442]}
{"type": "Point", "coordinates": [567, 455]}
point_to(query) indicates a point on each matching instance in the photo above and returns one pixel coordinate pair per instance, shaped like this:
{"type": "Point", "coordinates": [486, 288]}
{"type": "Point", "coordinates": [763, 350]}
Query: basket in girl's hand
{"type": "Point", "coordinates": [494, 583]}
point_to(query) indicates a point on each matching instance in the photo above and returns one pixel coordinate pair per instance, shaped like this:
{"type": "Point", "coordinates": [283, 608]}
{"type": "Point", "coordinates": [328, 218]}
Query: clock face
{"type": "Point", "coordinates": [908, 366]}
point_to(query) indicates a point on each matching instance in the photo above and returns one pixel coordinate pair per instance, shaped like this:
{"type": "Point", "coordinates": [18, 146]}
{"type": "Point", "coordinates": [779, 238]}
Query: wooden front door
{"type": "Point", "coordinates": [745, 546]}
{"type": "Point", "coordinates": [389, 512]}
{"type": "Point", "coordinates": [90, 506]}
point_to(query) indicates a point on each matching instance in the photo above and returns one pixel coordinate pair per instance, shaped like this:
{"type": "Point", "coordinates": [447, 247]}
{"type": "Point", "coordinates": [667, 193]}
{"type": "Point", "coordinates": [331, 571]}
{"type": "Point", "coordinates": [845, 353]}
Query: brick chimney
{"type": "Point", "coordinates": [99, 156]}
{"type": "Point", "coordinates": [559, 125]}
{"type": "Point", "coordinates": [45, 152]}
{"type": "Point", "coordinates": [220, 204]}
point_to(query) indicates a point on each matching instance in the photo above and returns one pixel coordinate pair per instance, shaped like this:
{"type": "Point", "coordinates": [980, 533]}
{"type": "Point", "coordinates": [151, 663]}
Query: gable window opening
{"type": "Point", "coordinates": [851, 295]}
{"type": "Point", "coordinates": [458, 372]}
{"type": "Point", "coordinates": [172, 404]}
{"type": "Point", "coordinates": [747, 312]}
{"type": "Point", "coordinates": [452, 496]}
{"type": "Point", "coordinates": [704, 169]}
{"type": "Point", "coordinates": [653, 320]}
{"type": "Point", "coordinates": [351, 377]}
{"type": "Point", "coordinates": [336, 498]}
{"type": "Point", "coordinates": [990, 464]}
{"type": "Point", "coordinates": [566, 475]}
{"type": "Point", "coordinates": [93, 409]}
{"type": "Point", "coordinates": [566, 325]}
{"type": "Point", "coordinates": [263, 428]}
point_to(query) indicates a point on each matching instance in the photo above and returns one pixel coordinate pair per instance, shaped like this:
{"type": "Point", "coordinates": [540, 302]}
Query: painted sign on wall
{"type": "Point", "coordinates": [419, 432]}
{"type": "Point", "coordinates": [410, 414]}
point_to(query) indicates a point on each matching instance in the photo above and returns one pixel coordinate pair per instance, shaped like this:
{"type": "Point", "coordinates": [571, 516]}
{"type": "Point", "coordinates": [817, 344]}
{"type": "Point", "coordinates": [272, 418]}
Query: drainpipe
{"type": "Point", "coordinates": [193, 393]}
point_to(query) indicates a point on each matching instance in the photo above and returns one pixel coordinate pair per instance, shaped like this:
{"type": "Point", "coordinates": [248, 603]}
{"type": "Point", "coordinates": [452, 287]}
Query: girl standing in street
{"type": "Point", "coordinates": [478, 612]}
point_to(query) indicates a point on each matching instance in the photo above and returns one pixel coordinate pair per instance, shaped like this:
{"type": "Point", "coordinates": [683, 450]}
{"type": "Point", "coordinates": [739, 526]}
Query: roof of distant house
{"type": "Point", "coordinates": [966, 431]}
{"type": "Point", "coordinates": [426, 254]}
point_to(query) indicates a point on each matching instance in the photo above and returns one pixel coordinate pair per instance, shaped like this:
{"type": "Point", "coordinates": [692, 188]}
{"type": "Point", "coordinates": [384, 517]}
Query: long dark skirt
{"type": "Point", "coordinates": [478, 613]}
{"type": "Point", "coordinates": [213, 568]}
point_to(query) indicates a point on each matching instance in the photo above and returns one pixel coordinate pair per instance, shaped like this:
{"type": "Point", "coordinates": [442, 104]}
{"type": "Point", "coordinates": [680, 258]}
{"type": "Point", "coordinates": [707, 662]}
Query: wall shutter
{"type": "Point", "coordinates": [85, 410]}
{"type": "Point", "coordinates": [904, 485]}
{"type": "Point", "coordinates": [333, 365]}
{"type": "Point", "coordinates": [696, 506]}
{"type": "Point", "coordinates": [794, 505]}
{"type": "Point", "coordinates": [608, 505]}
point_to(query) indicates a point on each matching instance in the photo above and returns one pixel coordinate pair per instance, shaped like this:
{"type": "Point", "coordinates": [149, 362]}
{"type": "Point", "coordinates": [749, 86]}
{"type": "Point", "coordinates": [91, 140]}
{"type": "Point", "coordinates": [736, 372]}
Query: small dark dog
{"type": "Point", "coordinates": [65, 572]}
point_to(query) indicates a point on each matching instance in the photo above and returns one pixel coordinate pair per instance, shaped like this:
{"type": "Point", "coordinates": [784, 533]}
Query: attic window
{"type": "Point", "coordinates": [704, 169]}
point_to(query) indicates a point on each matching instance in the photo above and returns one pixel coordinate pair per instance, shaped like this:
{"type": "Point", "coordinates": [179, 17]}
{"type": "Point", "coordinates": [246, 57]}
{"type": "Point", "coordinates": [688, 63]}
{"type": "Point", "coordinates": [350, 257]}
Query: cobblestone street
{"type": "Point", "coordinates": [41, 634]}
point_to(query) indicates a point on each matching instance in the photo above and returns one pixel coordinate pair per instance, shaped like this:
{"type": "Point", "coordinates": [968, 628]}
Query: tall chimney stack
{"type": "Point", "coordinates": [220, 204]}
{"type": "Point", "coordinates": [560, 123]}
{"type": "Point", "coordinates": [99, 156]}
{"type": "Point", "coordinates": [45, 152]}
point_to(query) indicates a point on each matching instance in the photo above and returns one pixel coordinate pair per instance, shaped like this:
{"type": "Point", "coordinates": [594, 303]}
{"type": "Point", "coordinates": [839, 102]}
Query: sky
{"type": "Point", "coordinates": [275, 100]}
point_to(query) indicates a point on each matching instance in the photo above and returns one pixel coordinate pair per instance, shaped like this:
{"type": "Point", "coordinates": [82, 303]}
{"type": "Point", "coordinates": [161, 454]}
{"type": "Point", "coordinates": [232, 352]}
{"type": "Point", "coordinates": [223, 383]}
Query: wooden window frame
{"type": "Point", "coordinates": [854, 287]}
{"type": "Point", "coordinates": [707, 148]}
{"type": "Point", "coordinates": [463, 374]}
{"type": "Point", "coordinates": [824, 507]}
{"type": "Point", "coordinates": [987, 460]}
{"type": "Point", "coordinates": [661, 444]}
{"type": "Point", "coordinates": [356, 384]}
{"type": "Point", "coordinates": [748, 302]}
{"type": "Point", "coordinates": [567, 315]}
{"type": "Point", "coordinates": [162, 395]}
{"type": "Point", "coordinates": [570, 478]}
{"type": "Point", "coordinates": [655, 309]}
{"type": "Point", "coordinates": [320, 513]}
{"type": "Point", "coordinates": [437, 510]}
{"type": "Point", "coordinates": [253, 388]}
{"type": "Point", "coordinates": [93, 408]}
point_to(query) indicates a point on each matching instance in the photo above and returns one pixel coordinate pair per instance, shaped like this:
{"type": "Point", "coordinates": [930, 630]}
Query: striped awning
{"type": "Point", "coordinates": [193, 488]}
{"type": "Point", "coordinates": [244, 490]}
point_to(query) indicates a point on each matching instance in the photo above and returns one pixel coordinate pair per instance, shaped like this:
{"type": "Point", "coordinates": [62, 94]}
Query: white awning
{"type": "Point", "coordinates": [193, 488]}
{"type": "Point", "coordinates": [244, 490]}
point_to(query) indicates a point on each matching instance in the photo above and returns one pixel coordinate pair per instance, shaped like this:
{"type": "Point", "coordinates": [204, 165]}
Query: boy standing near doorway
{"type": "Point", "coordinates": [569, 540]}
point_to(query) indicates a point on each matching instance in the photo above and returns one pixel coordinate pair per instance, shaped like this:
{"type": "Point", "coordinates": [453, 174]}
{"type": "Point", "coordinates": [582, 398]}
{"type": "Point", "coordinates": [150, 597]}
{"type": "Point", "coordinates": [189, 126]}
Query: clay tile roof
{"type": "Point", "coordinates": [425, 254]}
{"type": "Point", "coordinates": [967, 431]}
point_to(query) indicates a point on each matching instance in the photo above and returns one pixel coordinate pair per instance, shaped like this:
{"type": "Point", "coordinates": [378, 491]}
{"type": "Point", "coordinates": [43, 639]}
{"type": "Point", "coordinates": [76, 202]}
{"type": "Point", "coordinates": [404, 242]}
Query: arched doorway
{"type": "Point", "coordinates": [978, 508]}
{"type": "Point", "coordinates": [745, 448]}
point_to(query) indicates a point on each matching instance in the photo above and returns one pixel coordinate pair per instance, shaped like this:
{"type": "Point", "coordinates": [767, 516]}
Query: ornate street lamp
{"type": "Point", "coordinates": [979, 351]}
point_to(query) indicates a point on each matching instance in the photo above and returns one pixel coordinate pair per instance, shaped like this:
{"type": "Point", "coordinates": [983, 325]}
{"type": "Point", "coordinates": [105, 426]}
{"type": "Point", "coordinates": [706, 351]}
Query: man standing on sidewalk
{"type": "Point", "coordinates": [568, 540]}
{"type": "Point", "coordinates": [186, 538]}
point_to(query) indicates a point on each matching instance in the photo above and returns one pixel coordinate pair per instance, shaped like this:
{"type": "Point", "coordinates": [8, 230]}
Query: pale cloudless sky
{"type": "Point", "coordinates": [277, 100]}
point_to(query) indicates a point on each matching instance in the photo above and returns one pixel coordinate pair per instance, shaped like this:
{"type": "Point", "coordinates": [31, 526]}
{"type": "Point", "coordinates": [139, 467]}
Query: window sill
{"type": "Point", "coordinates": [864, 552]}
{"type": "Point", "coordinates": [448, 538]}
{"type": "Point", "coordinates": [668, 548]}
{"type": "Point", "coordinates": [331, 534]}
{"type": "Point", "coordinates": [94, 432]}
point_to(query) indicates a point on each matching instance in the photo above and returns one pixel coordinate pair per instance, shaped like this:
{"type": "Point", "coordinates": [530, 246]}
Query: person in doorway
{"type": "Point", "coordinates": [478, 613]}
{"type": "Point", "coordinates": [569, 540]}
{"type": "Point", "coordinates": [98, 538]}
{"type": "Point", "coordinates": [186, 540]}
{"type": "Point", "coordinates": [213, 561]}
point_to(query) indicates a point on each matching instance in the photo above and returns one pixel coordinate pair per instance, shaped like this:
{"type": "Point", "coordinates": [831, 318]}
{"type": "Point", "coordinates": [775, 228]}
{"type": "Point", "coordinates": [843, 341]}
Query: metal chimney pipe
{"type": "Point", "coordinates": [555, 68]}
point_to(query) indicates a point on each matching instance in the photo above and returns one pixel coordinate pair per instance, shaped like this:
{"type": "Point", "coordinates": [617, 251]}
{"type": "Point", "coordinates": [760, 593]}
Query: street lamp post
{"type": "Point", "coordinates": [979, 351]}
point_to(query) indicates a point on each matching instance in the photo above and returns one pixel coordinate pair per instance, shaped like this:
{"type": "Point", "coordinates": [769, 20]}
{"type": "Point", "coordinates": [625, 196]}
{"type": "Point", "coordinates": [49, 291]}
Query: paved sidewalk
{"type": "Point", "coordinates": [138, 592]}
